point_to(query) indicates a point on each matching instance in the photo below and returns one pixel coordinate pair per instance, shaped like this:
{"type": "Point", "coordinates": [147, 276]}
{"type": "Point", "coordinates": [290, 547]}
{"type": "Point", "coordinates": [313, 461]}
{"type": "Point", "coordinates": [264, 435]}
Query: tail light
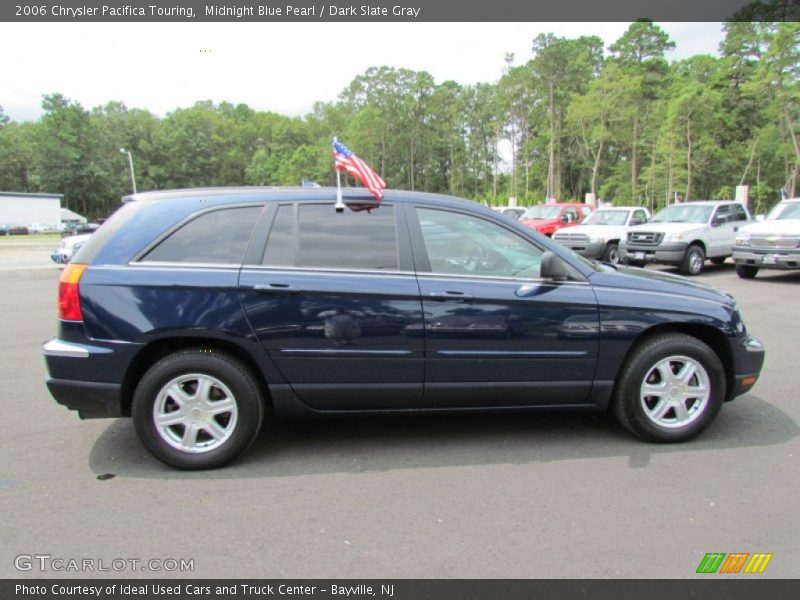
{"type": "Point", "coordinates": [69, 301]}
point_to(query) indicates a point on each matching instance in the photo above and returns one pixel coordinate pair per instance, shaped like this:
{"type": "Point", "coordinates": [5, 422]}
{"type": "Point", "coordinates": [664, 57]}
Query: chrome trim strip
{"type": "Point", "coordinates": [56, 347]}
{"type": "Point", "coordinates": [332, 351]}
{"type": "Point", "coordinates": [544, 354]}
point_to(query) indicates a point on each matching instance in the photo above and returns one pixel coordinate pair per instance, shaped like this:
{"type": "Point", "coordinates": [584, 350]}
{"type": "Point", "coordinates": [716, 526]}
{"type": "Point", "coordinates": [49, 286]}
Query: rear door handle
{"type": "Point", "coordinates": [273, 288]}
{"type": "Point", "coordinates": [450, 296]}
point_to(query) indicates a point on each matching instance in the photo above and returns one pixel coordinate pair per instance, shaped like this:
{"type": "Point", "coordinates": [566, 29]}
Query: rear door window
{"type": "Point", "coordinates": [316, 236]}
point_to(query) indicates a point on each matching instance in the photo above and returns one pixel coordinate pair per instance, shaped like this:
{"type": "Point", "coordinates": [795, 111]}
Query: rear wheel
{"type": "Point", "coordinates": [611, 254]}
{"type": "Point", "coordinates": [746, 271]}
{"type": "Point", "coordinates": [670, 388]}
{"type": "Point", "coordinates": [693, 261]}
{"type": "Point", "coordinates": [198, 409]}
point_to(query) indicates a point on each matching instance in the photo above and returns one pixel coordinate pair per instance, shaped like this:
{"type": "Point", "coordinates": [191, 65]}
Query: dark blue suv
{"type": "Point", "coordinates": [197, 312]}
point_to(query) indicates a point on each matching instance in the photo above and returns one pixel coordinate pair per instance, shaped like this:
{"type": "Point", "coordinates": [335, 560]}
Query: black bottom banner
{"type": "Point", "coordinates": [399, 589]}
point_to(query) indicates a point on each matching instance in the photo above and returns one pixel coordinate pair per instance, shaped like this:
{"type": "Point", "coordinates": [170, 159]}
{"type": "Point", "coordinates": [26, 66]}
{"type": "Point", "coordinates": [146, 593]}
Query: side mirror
{"type": "Point", "coordinates": [552, 267]}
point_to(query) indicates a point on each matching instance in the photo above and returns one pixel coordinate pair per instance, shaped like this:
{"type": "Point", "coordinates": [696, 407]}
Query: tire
{"type": "Point", "coordinates": [221, 395]}
{"type": "Point", "coordinates": [611, 254]}
{"type": "Point", "coordinates": [660, 362]}
{"type": "Point", "coordinates": [718, 260]}
{"type": "Point", "coordinates": [693, 261]}
{"type": "Point", "coordinates": [746, 271]}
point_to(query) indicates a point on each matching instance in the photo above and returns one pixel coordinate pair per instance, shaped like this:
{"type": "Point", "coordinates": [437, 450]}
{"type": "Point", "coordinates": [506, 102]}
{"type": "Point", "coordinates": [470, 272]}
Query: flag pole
{"type": "Point", "coordinates": [339, 206]}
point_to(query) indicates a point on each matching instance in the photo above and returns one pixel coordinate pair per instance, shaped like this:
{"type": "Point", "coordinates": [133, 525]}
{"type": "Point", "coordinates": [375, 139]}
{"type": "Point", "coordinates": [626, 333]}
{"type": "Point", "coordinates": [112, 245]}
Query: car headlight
{"type": "Point", "coordinates": [673, 237]}
{"type": "Point", "coordinates": [743, 239]}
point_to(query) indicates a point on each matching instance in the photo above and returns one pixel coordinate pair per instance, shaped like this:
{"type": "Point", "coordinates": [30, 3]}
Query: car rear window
{"type": "Point", "coordinates": [98, 239]}
{"type": "Point", "coordinates": [216, 237]}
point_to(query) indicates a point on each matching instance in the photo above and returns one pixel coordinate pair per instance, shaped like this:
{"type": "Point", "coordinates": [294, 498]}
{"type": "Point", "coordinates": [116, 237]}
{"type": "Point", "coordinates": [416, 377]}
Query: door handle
{"type": "Point", "coordinates": [273, 288]}
{"type": "Point", "coordinates": [450, 296]}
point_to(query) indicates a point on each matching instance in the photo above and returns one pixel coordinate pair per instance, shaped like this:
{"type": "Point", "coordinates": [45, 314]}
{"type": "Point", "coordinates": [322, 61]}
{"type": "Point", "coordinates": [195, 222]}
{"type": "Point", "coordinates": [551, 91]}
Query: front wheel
{"type": "Point", "coordinates": [670, 388]}
{"type": "Point", "coordinates": [611, 254]}
{"type": "Point", "coordinates": [198, 409]}
{"type": "Point", "coordinates": [746, 271]}
{"type": "Point", "coordinates": [693, 261]}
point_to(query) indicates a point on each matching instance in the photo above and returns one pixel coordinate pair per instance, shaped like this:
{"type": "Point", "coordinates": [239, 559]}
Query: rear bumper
{"type": "Point", "coordinates": [91, 400]}
{"type": "Point", "coordinates": [87, 377]}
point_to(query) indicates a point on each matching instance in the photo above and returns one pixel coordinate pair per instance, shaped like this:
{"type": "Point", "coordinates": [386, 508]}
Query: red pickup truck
{"type": "Point", "coordinates": [549, 218]}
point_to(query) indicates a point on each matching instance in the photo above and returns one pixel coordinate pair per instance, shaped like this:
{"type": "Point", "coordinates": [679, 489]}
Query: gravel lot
{"type": "Point", "coordinates": [544, 495]}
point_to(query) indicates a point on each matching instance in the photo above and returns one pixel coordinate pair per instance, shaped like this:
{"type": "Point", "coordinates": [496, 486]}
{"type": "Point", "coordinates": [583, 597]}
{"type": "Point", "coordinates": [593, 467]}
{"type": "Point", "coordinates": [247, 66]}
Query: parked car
{"type": "Point", "coordinates": [4, 229]}
{"type": "Point", "coordinates": [598, 236]}
{"type": "Point", "coordinates": [549, 218]}
{"type": "Point", "coordinates": [68, 247]}
{"type": "Point", "coordinates": [79, 228]}
{"type": "Point", "coordinates": [37, 228]}
{"type": "Point", "coordinates": [515, 212]}
{"type": "Point", "coordinates": [18, 230]}
{"type": "Point", "coordinates": [771, 244]}
{"type": "Point", "coordinates": [198, 312]}
{"type": "Point", "coordinates": [686, 235]}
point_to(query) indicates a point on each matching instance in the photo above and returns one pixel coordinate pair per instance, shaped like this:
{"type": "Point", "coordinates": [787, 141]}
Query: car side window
{"type": "Point", "coordinates": [640, 215]}
{"type": "Point", "coordinates": [739, 213]}
{"type": "Point", "coordinates": [216, 237]}
{"type": "Point", "coordinates": [723, 214]}
{"type": "Point", "coordinates": [316, 236]}
{"type": "Point", "coordinates": [462, 244]}
{"type": "Point", "coordinates": [571, 213]}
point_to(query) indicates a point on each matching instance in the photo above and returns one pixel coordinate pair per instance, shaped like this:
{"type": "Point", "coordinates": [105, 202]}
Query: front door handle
{"type": "Point", "coordinates": [273, 288]}
{"type": "Point", "coordinates": [450, 296]}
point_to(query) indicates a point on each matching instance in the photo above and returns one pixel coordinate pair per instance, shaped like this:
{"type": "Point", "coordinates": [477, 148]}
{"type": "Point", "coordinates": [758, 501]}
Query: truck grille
{"type": "Point", "coordinates": [571, 237]}
{"type": "Point", "coordinates": [645, 238]}
{"type": "Point", "coordinates": [771, 242]}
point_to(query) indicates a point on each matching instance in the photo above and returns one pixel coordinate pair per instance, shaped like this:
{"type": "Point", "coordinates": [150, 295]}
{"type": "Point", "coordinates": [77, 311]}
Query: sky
{"type": "Point", "coordinates": [283, 68]}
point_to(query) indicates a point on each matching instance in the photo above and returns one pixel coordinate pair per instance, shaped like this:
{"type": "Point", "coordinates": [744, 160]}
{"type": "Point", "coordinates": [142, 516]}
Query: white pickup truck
{"type": "Point", "coordinates": [599, 234]}
{"type": "Point", "coordinates": [686, 235]}
{"type": "Point", "coordinates": [772, 244]}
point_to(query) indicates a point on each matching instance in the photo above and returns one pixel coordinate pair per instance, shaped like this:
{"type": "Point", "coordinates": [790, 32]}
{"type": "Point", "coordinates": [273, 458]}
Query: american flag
{"type": "Point", "coordinates": [345, 160]}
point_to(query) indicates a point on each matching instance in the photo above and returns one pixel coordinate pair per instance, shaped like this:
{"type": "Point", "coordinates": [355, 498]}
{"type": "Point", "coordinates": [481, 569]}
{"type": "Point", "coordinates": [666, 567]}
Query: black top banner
{"type": "Point", "coordinates": [396, 10]}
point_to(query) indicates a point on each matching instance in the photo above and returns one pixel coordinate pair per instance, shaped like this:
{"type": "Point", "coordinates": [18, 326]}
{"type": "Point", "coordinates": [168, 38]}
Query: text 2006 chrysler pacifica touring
{"type": "Point", "coordinates": [197, 312]}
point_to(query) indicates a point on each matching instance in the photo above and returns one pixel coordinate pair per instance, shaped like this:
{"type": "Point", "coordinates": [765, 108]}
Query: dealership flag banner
{"type": "Point", "coordinates": [345, 160]}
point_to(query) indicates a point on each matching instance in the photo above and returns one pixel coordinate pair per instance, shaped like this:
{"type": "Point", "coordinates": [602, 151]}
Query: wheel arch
{"type": "Point", "coordinates": [158, 349]}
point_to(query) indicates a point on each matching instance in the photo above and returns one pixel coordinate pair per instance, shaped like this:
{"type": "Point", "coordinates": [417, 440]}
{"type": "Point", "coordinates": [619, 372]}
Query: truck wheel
{"type": "Point", "coordinates": [198, 409]}
{"type": "Point", "coordinates": [670, 388]}
{"type": "Point", "coordinates": [746, 271]}
{"type": "Point", "coordinates": [611, 254]}
{"type": "Point", "coordinates": [693, 261]}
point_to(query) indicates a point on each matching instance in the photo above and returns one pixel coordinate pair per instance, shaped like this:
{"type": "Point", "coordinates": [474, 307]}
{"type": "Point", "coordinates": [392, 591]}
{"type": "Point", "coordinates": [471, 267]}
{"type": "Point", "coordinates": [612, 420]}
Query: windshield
{"type": "Point", "coordinates": [607, 217]}
{"type": "Point", "coordinates": [542, 211]}
{"type": "Point", "coordinates": [684, 213]}
{"type": "Point", "coordinates": [785, 210]}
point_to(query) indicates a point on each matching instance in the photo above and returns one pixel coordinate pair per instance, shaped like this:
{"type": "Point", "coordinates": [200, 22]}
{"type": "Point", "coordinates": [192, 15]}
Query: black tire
{"type": "Point", "coordinates": [611, 253]}
{"type": "Point", "coordinates": [718, 260]}
{"type": "Point", "coordinates": [630, 398]}
{"type": "Point", "coordinates": [746, 271]}
{"type": "Point", "coordinates": [227, 379]}
{"type": "Point", "coordinates": [693, 261]}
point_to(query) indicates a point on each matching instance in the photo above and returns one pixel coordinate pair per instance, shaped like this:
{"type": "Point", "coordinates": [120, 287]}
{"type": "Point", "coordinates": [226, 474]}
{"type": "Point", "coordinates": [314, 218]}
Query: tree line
{"type": "Point", "coordinates": [621, 122]}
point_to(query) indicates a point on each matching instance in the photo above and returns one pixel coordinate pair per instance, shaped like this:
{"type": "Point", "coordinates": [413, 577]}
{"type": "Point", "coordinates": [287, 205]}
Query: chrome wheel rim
{"type": "Point", "coordinates": [613, 256]}
{"type": "Point", "coordinates": [195, 413]}
{"type": "Point", "coordinates": [696, 262]}
{"type": "Point", "coordinates": [675, 392]}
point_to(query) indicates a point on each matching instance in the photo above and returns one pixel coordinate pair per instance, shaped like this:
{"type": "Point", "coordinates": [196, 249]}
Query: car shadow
{"type": "Point", "coordinates": [289, 448]}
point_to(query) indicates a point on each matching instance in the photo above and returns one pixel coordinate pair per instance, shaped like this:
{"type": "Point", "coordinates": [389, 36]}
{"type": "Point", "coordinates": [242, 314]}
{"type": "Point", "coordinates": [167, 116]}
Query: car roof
{"type": "Point", "coordinates": [708, 202]}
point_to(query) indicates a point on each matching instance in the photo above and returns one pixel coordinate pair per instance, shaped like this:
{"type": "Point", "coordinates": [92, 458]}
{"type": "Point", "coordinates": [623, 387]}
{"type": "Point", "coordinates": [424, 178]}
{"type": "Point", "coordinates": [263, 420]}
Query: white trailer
{"type": "Point", "coordinates": [20, 209]}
